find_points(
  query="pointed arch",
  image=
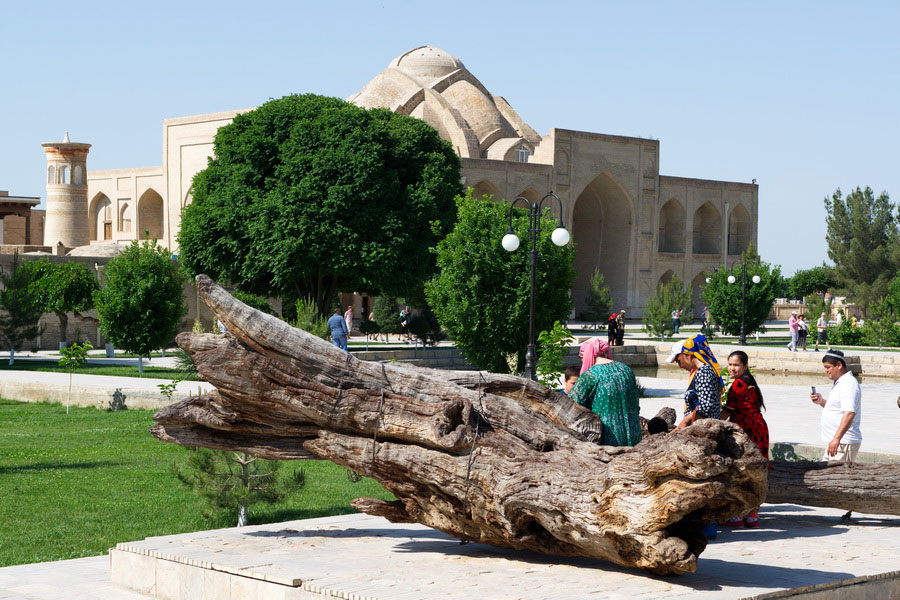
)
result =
(740, 230)
(531, 195)
(150, 215)
(601, 227)
(64, 174)
(77, 175)
(666, 278)
(100, 212)
(51, 174)
(486, 188)
(697, 285)
(125, 217)
(707, 237)
(188, 197)
(671, 226)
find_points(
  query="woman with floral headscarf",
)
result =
(702, 400)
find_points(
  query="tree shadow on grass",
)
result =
(50, 466)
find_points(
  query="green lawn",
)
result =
(100, 369)
(75, 485)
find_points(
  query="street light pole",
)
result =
(510, 242)
(742, 340)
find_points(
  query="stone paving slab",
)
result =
(363, 557)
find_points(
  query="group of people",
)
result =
(799, 328)
(610, 390)
(340, 327)
(615, 328)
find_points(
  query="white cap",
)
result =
(677, 348)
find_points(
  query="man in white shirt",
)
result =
(842, 411)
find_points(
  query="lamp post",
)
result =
(510, 243)
(731, 279)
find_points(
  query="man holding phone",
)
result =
(841, 411)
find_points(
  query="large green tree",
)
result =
(19, 321)
(65, 288)
(667, 298)
(141, 301)
(724, 298)
(308, 196)
(809, 281)
(481, 292)
(862, 238)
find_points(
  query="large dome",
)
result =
(426, 62)
(433, 85)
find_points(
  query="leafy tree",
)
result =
(815, 306)
(71, 358)
(254, 301)
(862, 235)
(308, 318)
(658, 310)
(893, 296)
(598, 300)
(311, 195)
(481, 293)
(881, 326)
(724, 299)
(141, 303)
(552, 347)
(809, 281)
(387, 313)
(21, 303)
(65, 288)
(367, 328)
(235, 481)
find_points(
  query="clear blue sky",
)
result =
(802, 96)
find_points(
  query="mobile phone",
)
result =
(813, 388)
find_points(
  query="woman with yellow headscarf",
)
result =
(702, 400)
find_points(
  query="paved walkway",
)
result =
(363, 557)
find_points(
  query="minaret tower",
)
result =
(67, 204)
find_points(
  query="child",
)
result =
(569, 379)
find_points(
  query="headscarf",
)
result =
(698, 347)
(590, 350)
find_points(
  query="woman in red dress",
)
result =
(743, 407)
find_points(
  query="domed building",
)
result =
(637, 226)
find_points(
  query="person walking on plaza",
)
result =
(795, 328)
(612, 329)
(802, 331)
(841, 411)
(348, 318)
(676, 320)
(743, 406)
(821, 331)
(405, 317)
(339, 330)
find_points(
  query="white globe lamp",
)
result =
(731, 279)
(560, 236)
(510, 242)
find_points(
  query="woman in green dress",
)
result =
(610, 390)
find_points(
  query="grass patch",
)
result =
(75, 485)
(100, 369)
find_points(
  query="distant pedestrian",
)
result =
(795, 328)
(611, 329)
(676, 320)
(821, 332)
(802, 331)
(705, 319)
(620, 328)
(348, 318)
(339, 330)
(405, 318)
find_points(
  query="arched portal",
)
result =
(100, 211)
(697, 284)
(739, 230)
(125, 218)
(707, 230)
(671, 227)
(601, 228)
(486, 188)
(531, 195)
(666, 278)
(150, 216)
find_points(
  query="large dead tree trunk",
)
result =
(490, 458)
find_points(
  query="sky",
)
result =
(801, 96)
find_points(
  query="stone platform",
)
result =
(358, 557)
